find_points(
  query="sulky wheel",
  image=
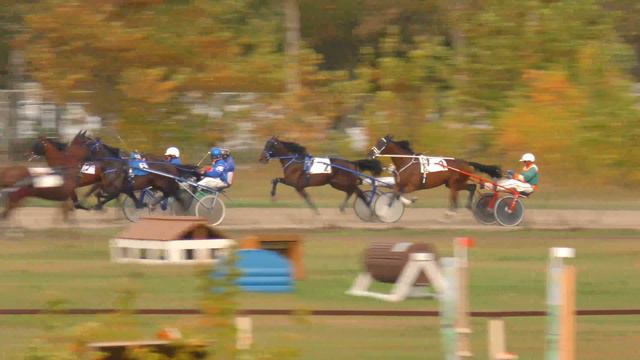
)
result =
(387, 208)
(509, 211)
(211, 208)
(129, 209)
(364, 211)
(482, 210)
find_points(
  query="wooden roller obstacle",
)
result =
(411, 267)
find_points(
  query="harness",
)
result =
(293, 158)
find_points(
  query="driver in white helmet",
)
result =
(529, 172)
(527, 180)
(172, 155)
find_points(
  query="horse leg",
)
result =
(346, 200)
(453, 200)
(76, 202)
(275, 182)
(472, 190)
(308, 200)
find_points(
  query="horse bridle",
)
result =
(269, 145)
(377, 151)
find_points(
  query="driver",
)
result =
(172, 155)
(526, 181)
(215, 176)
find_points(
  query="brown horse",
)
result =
(90, 172)
(58, 183)
(409, 177)
(116, 180)
(343, 175)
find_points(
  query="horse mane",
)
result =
(404, 144)
(114, 151)
(294, 148)
(57, 144)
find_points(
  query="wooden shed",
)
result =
(169, 239)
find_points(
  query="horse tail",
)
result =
(492, 170)
(372, 165)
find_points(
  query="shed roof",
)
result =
(168, 228)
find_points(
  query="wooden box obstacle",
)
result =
(169, 239)
(287, 245)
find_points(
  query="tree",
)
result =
(142, 64)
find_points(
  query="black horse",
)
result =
(343, 175)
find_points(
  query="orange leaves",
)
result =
(551, 88)
(148, 85)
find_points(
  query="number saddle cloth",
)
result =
(88, 168)
(429, 164)
(317, 165)
(44, 177)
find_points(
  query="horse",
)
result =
(90, 172)
(409, 178)
(58, 183)
(343, 175)
(116, 180)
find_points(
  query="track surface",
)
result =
(302, 218)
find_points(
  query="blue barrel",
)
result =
(262, 271)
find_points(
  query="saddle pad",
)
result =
(88, 168)
(430, 164)
(47, 181)
(318, 165)
(40, 171)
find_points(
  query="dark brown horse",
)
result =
(409, 177)
(57, 183)
(343, 175)
(116, 179)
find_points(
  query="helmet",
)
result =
(135, 155)
(172, 151)
(528, 157)
(216, 152)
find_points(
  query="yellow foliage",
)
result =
(544, 122)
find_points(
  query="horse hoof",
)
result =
(450, 213)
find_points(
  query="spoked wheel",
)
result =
(387, 208)
(147, 197)
(482, 212)
(509, 211)
(211, 208)
(363, 210)
(133, 213)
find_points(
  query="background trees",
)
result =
(473, 78)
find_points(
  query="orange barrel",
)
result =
(384, 260)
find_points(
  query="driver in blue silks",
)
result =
(137, 164)
(215, 176)
(172, 155)
(231, 165)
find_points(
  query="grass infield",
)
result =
(71, 269)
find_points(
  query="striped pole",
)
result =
(560, 339)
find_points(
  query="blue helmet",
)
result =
(216, 152)
(135, 155)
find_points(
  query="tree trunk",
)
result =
(292, 45)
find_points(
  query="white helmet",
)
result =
(528, 157)
(172, 151)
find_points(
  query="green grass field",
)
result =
(72, 269)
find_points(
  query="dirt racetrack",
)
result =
(302, 218)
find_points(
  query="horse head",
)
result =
(77, 148)
(380, 148)
(270, 150)
(46, 147)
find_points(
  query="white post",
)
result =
(555, 297)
